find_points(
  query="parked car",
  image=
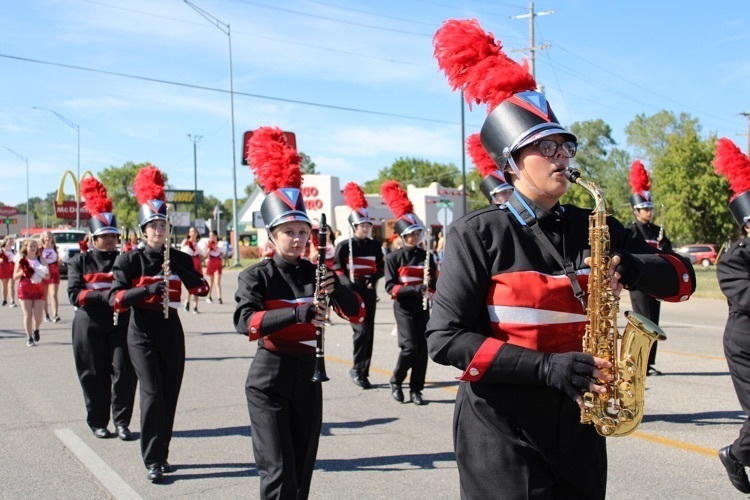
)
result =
(67, 241)
(703, 253)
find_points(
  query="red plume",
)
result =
(396, 198)
(732, 164)
(473, 61)
(95, 196)
(149, 185)
(354, 197)
(274, 163)
(479, 156)
(638, 178)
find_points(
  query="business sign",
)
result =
(291, 139)
(8, 211)
(8, 222)
(183, 196)
(179, 219)
(67, 210)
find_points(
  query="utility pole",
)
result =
(747, 115)
(195, 139)
(532, 48)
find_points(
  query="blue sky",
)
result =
(349, 60)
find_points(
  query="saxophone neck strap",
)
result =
(525, 216)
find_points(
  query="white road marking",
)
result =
(103, 472)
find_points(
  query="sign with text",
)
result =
(183, 195)
(8, 211)
(67, 210)
(179, 219)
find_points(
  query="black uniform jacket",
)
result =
(650, 233)
(89, 281)
(499, 285)
(267, 296)
(368, 261)
(405, 272)
(733, 272)
(140, 267)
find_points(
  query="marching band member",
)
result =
(190, 246)
(405, 282)
(276, 307)
(494, 185)
(367, 268)
(505, 313)
(643, 209)
(100, 347)
(7, 256)
(733, 272)
(131, 243)
(52, 284)
(214, 265)
(31, 270)
(156, 344)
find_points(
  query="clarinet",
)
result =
(167, 271)
(320, 326)
(115, 314)
(351, 256)
(661, 227)
(426, 278)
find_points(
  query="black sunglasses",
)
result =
(548, 148)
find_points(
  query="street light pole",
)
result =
(77, 128)
(224, 28)
(27, 187)
(195, 139)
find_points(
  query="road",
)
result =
(371, 447)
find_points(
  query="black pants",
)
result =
(364, 333)
(411, 321)
(737, 352)
(645, 305)
(525, 441)
(104, 369)
(286, 412)
(158, 357)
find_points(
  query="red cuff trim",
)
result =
(201, 290)
(340, 272)
(394, 291)
(253, 329)
(82, 297)
(118, 302)
(357, 318)
(482, 359)
(686, 286)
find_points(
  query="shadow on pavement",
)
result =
(387, 463)
(703, 418)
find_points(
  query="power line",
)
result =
(214, 89)
(432, 25)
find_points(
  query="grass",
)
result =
(707, 286)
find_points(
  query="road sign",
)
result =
(445, 216)
(8, 211)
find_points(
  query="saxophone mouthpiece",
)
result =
(572, 174)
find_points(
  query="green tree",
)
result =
(602, 163)
(415, 171)
(683, 178)
(307, 165)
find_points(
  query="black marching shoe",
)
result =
(397, 392)
(416, 398)
(101, 432)
(652, 371)
(124, 433)
(36, 335)
(155, 474)
(735, 470)
(359, 379)
(166, 468)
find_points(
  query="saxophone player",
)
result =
(276, 308)
(406, 283)
(505, 311)
(643, 227)
(156, 343)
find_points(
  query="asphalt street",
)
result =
(371, 447)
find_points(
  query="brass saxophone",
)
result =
(620, 410)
